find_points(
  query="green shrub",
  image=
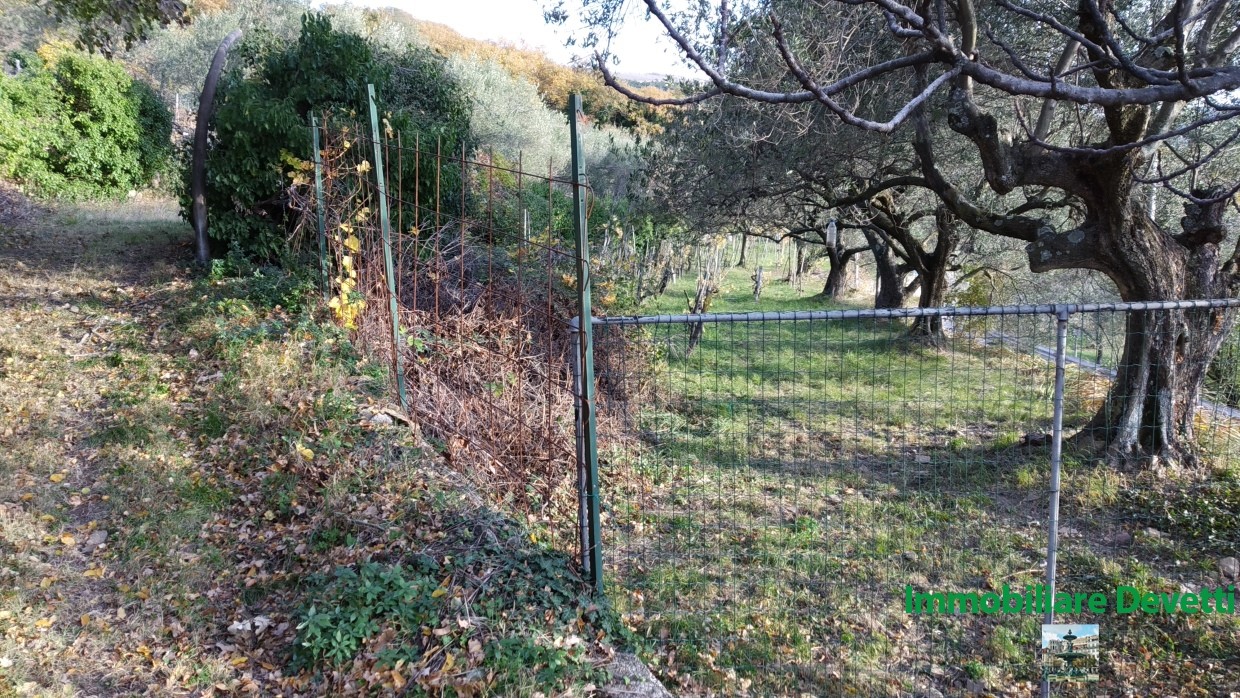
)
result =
(354, 605)
(262, 112)
(78, 126)
(512, 613)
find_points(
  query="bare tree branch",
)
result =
(1048, 106)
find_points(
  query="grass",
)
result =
(773, 490)
(769, 495)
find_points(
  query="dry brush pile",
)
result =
(485, 337)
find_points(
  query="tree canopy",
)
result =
(108, 25)
(1131, 99)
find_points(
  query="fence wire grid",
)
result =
(782, 483)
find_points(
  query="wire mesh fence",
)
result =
(800, 502)
(780, 492)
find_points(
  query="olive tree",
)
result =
(787, 171)
(1065, 108)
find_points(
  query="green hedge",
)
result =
(261, 119)
(79, 126)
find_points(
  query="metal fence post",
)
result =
(1062, 314)
(318, 204)
(386, 228)
(587, 442)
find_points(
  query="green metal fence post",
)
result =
(386, 228)
(1063, 314)
(319, 204)
(587, 444)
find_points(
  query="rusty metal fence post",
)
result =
(587, 438)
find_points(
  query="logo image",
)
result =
(1070, 652)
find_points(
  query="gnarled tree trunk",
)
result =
(890, 293)
(932, 269)
(837, 274)
(1149, 408)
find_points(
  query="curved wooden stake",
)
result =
(198, 170)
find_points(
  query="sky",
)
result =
(641, 45)
(1058, 630)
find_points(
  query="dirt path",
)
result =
(191, 465)
(73, 288)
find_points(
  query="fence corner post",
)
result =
(386, 229)
(1062, 315)
(319, 204)
(587, 443)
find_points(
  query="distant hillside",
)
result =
(555, 82)
(656, 80)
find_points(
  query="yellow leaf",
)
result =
(85, 619)
(304, 452)
(448, 662)
(68, 539)
(398, 680)
(238, 661)
(353, 243)
(93, 573)
(43, 623)
(57, 477)
(438, 593)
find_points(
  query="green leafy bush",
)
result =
(491, 608)
(262, 112)
(355, 605)
(78, 126)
